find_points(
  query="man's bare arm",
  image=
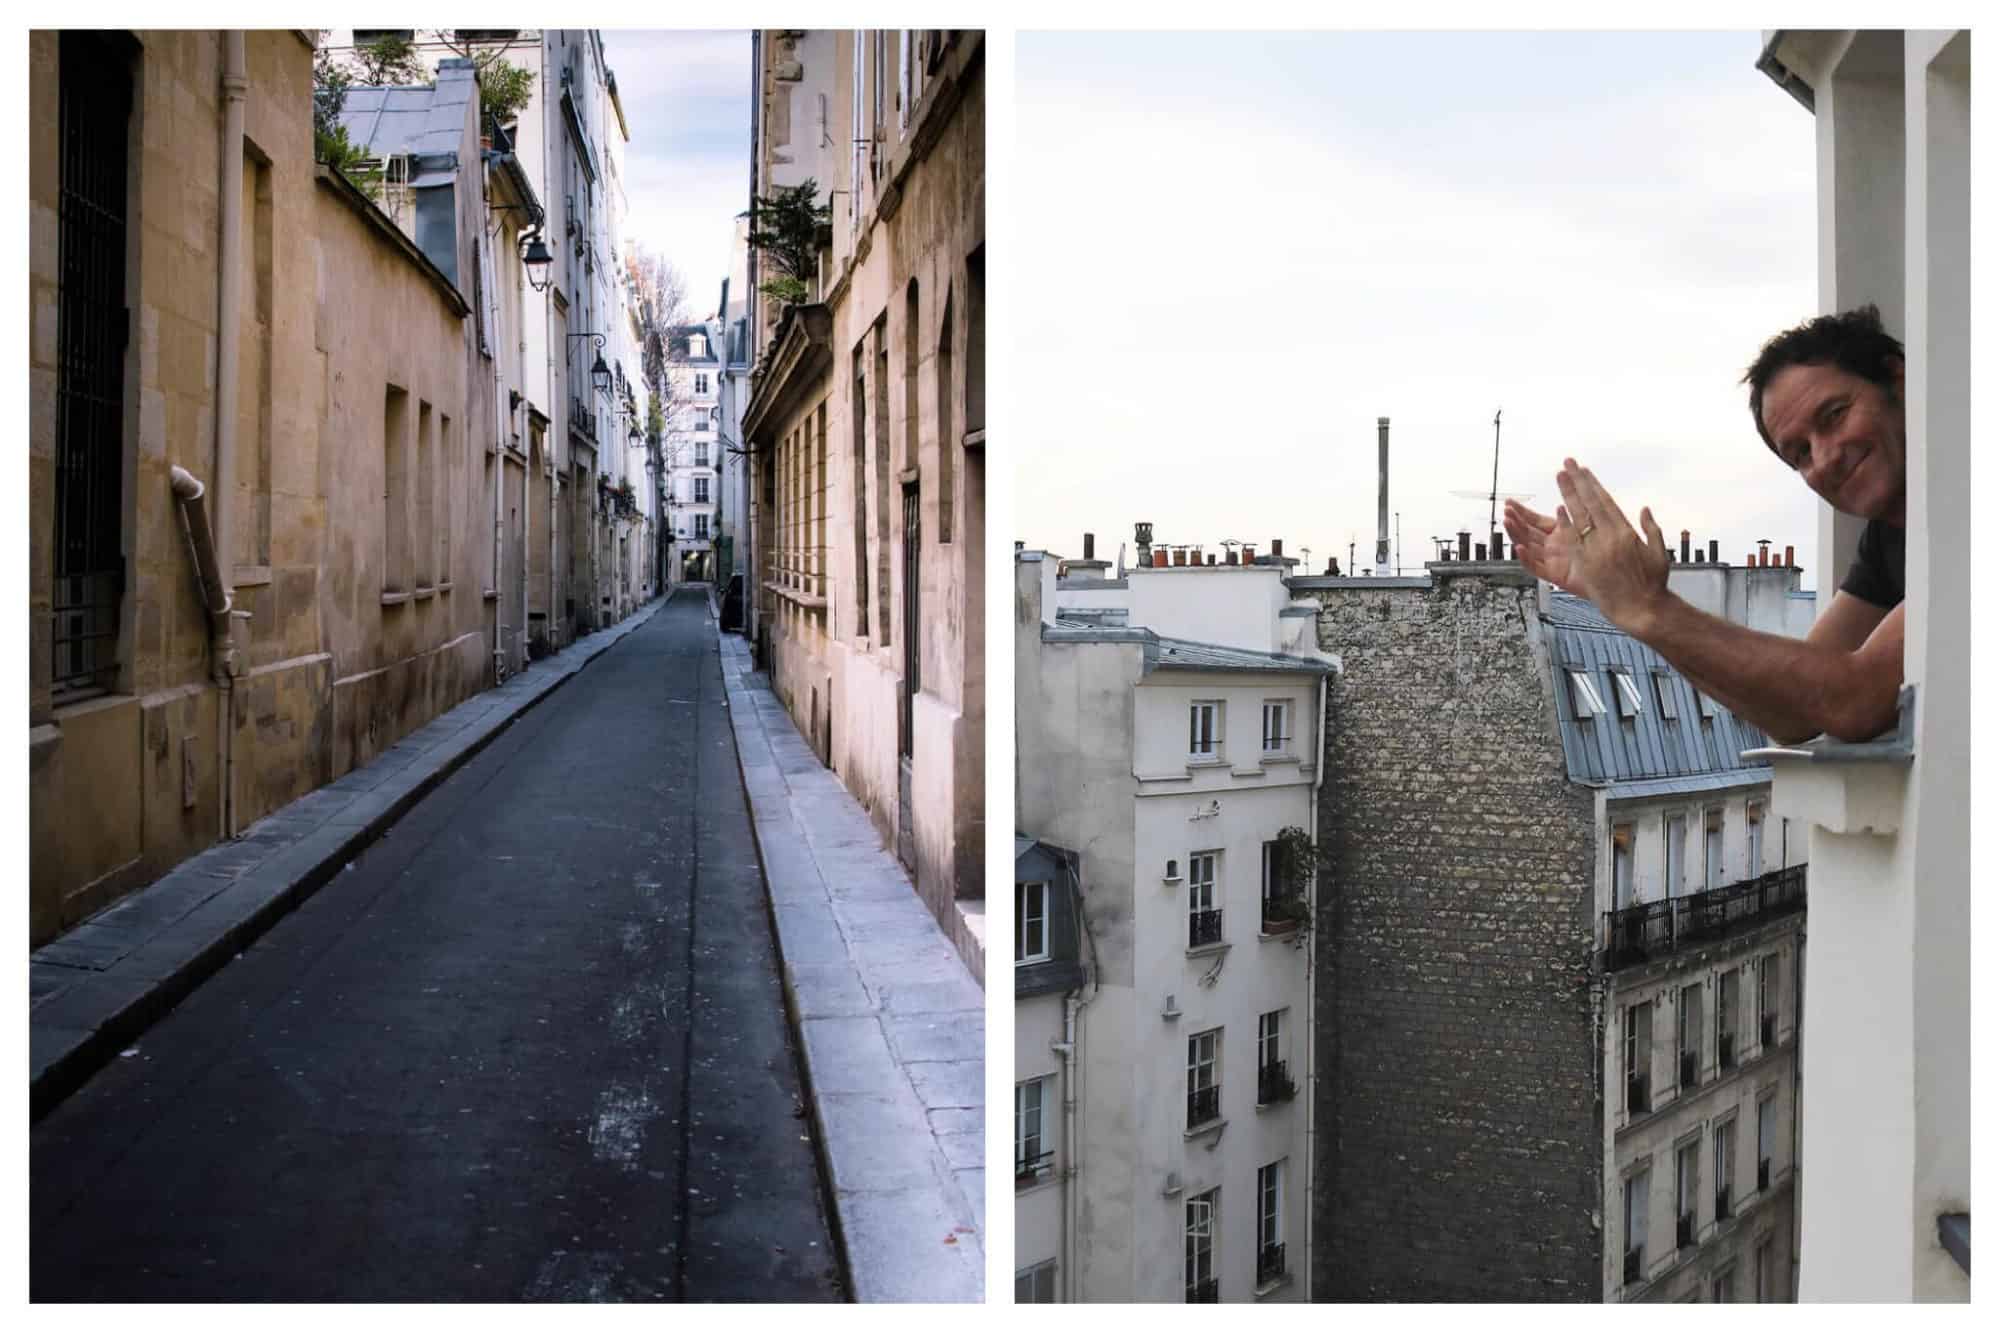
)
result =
(1842, 679)
(1791, 689)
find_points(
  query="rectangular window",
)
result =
(1036, 1285)
(1636, 1186)
(1677, 838)
(860, 415)
(1712, 849)
(1767, 1000)
(1726, 986)
(1764, 1274)
(1204, 729)
(1031, 1152)
(395, 490)
(1690, 1036)
(1663, 693)
(1708, 706)
(1725, 1169)
(701, 527)
(1200, 1248)
(1274, 1078)
(1277, 729)
(948, 443)
(1767, 1138)
(1204, 917)
(1204, 1077)
(701, 386)
(1583, 697)
(1628, 695)
(1722, 1288)
(1621, 865)
(1270, 1222)
(1031, 923)
(701, 490)
(1687, 1184)
(701, 455)
(1638, 1057)
(1753, 836)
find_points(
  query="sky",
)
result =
(1264, 242)
(687, 167)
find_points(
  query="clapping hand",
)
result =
(1591, 549)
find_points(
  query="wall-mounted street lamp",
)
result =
(535, 259)
(600, 374)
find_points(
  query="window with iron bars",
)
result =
(94, 104)
(1204, 1078)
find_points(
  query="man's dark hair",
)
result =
(1853, 340)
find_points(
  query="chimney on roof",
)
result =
(1788, 559)
(1464, 544)
(1332, 567)
(1211, 558)
(1479, 553)
(1180, 555)
(1142, 540)
(1382, 498)
(1089, 546)
(1249, 554)
(1763, 553)
(1493, 545)
(1684, 546)
(1277, 548)
(1714, 551)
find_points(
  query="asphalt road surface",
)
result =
(530, 1046)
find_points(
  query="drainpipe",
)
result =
(235, 84)
(1073, 1004)
(1312, 990)
(500, 421)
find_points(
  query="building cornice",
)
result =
(798, 361)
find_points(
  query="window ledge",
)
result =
(1215, 1126)
(1200, 761)
(1247, 772)
(1206, 950)
(252, 576)
(1846, 787)
(1278, 1283)
(1288, 933)
(1279, 759)
(1042, 1180)
(489, 594)
(395, 598)
(424, 594)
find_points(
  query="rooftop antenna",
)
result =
(1494, 496)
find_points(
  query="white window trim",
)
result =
(1271, 1203)
(1629, 703)
(1281, 742)
(1041, 918)
(1583, 696)
(1032, 1094)
(1213, 754)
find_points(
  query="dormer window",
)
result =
(1583, 697)
(1628, 695)
(1663, 691)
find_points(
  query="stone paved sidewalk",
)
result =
(95, 989)
(892, 1023)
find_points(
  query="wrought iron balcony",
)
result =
(1274, 1083)
(1204, 928)
(1270, 1262)
(1203, 1293)
(1032, 1167)
(1635, 1265)
(1684, 1231)
(1204, 1105)
(1647, 931)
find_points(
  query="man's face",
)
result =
(1843, 434)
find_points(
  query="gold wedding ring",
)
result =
(1585, 531)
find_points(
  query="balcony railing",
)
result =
(1204, 1105)
(1690, 1070)
(1204, 928)
(1635, 1265)
(1725, 1050)
(1767, 1030)
(1722, 1203)
(1763, 1173)
(1270, 1262)
(1274, 1083)
(1032, 1167)
(1647, 931)
(1684, 1231)
(1638, 1099)
(1202, 1293)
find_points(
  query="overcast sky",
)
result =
(1253, 246)
(687, 168)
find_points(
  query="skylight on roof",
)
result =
(1628, 695)
(1583, 695)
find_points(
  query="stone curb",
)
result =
(880, 1003)
(100, 985)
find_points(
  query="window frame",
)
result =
(1278, 744)
(1032, 1095)
(1211, 739)
(1584, 701)
(1039, 1278)
(1038, 891)
(1630, 705)
(1198, 1236)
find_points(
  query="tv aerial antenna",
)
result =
(1494, 496)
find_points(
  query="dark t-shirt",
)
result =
(1877, 575)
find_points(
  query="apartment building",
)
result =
(694, 450)
(1168, 752)
(1558, 1021)
(1888, 961)
(866, 430)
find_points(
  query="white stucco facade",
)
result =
(1888, 963)
(1196, 1013)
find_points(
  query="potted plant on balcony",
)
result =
(788, 229)
(1289, 905)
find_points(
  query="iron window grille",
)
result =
(92, 327)
(1690, 1075)
(1204, 928)
(1635, 1265)
(1204, 1105)
(1270, 1262)
(1684, 1231)
(1763, 1174)
(1722, 1206)
(1203, 1293)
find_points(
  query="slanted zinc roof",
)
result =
(1177, 654)
(427, 120)
(1631, 740)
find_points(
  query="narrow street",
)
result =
(530, 1045)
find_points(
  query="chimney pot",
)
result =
(1277, 547)
(1249, 554)
(1464, 545)
(1159, 557)
(1228, 557)
(1180, 555)
(1211, 557)
(1089, 546)
(1684, 546)
(1714, 551)
(1788, 559)
(1479, 553)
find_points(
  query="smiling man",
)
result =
(1827, 398)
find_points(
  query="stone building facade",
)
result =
(866, 430)
(250, 327)
(1493, 828)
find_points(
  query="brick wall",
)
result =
(1460, 1141)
